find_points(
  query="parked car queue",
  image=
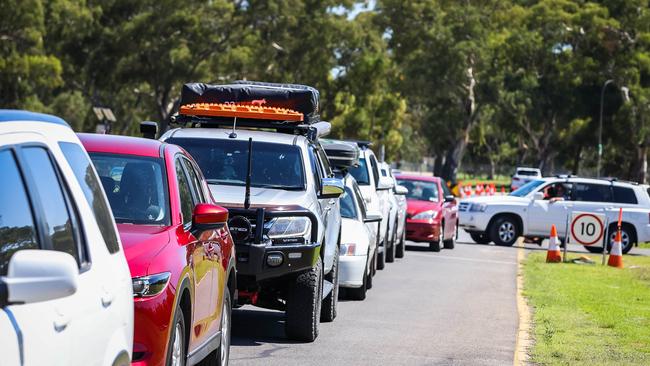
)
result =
(125, 235)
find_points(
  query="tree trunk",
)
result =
(454, 157)
(641, 163)
(438, 163)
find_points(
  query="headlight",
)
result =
(426, 215)
(478, 207)
(147, 286)
(289, 229)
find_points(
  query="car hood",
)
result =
(416, 206)
(142, 243)
(233, 196)
(497, 199)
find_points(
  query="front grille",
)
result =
(464, 206)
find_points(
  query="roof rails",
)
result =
(362, 144)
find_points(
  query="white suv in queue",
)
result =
(532, 209)
(65, 288)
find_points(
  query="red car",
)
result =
(177, 245)
(431, 213)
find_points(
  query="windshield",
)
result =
(135, 187)
(526, 188)
(420, 190)
(348, 208)
(360, 173)
(225, 162)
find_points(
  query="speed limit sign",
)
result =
(586, 228)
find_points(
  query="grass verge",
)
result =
(589, 314)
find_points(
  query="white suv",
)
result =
(374, 189)
(65, 288)
(532, 209)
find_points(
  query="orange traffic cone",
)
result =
(479, 189)
(553, 254)
(503, 190)
(616, 253)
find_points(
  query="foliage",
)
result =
(474, 82)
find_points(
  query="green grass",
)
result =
(589, 314)
(644, 245)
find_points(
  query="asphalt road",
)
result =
(456, 307)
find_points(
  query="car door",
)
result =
(449, 211)
(212, 242)
(327, 206)
(34, 214)
(201, 265)
(544, 213)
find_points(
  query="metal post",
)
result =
(566, 238)
(600, 126)
(605, 238)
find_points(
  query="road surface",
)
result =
(456, 307)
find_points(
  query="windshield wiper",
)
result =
(225, 182)
(279, 186)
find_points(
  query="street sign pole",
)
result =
(605, 240)
(566, 238)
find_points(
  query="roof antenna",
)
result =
(247, 196)
(233, 134)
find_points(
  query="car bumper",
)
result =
(252, 259)
(352, 268)
(422, 231)
(153, 316)
(473, 221)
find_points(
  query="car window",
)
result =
(87, 178)
(327, 169)
(524, 190)
(526, 172)
(421, 190)
(375, 169)
(225, 161)
(315, 167)
(360, 200)
(445, 188)
(185, 194)
(624, 195)
(17, 228)
(360, 173)
(592, 192)
(195, 183)
(58, 215)
(136, 187)
(348, 208)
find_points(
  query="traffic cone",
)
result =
(616, 253)
(461, 190)
(503, 190)
(553, 254)
(479, 189)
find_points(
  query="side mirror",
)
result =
(38, 275)
(372, 217)
(149, 129)
(537, 196)
(401, 190)
(208, 217)
(331, 188)
(450, 198)
(385, 184)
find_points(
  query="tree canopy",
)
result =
(469, 83)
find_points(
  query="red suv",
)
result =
(431, 213)
(178, 247)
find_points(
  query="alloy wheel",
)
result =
(506, 231)
(177, 346)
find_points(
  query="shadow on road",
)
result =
(254, 327)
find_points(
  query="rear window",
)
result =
(624, 195)
(592, 192)
(528, 173)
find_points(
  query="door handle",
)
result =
(61, 322)
(107, 298)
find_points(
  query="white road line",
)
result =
(460, 258)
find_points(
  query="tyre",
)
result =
(593, 249)
(399, 251)
(359, 294)
(304, 298)
(369, 275)
(628, 238)
(449, 243)
(381, 257)
(176, 348)
(390, 254)
(373, 268)
(434, 246)
(480, 238)
(328, 310)
(221, 355)
(504, 231)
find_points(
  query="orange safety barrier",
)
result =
(252, 110)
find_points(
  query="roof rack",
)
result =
(362, 144)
